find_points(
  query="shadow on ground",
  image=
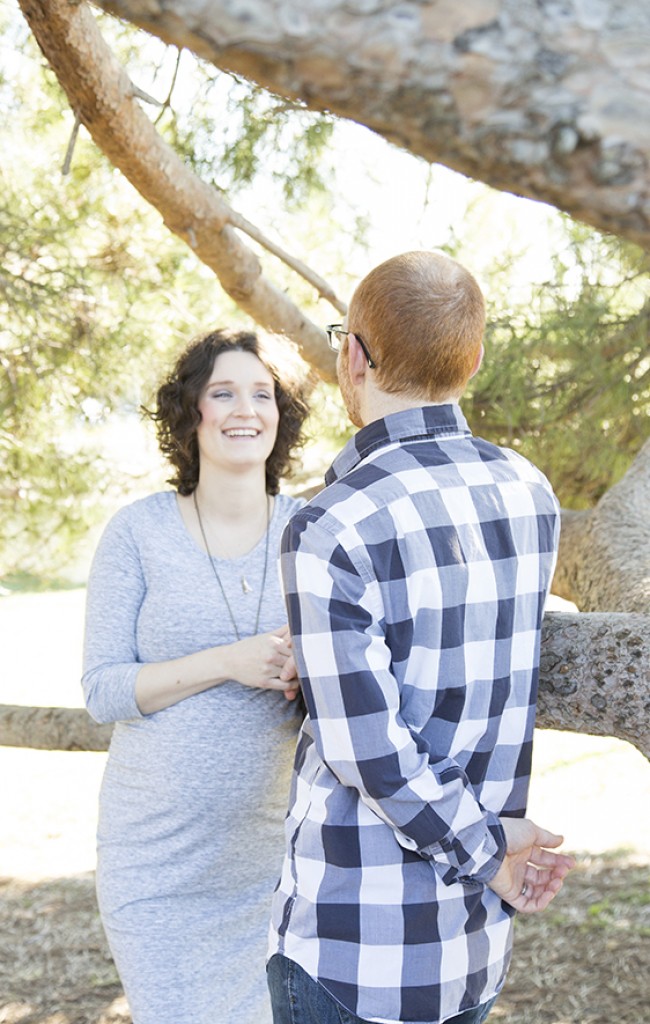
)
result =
(586, 960)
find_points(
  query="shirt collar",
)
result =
(431, 421)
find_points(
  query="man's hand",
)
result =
(531, 874)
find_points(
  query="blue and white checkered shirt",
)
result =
(415, 585)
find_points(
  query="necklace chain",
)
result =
(217, 576)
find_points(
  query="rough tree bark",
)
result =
(546, 98)
(594, 676)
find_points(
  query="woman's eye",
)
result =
(221, 394)
(263, 394)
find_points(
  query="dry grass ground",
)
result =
(585, 961)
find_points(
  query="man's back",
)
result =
(415, 585)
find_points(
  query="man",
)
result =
(415, 585)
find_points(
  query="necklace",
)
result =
(244, 582)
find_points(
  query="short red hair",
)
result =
(422, 316)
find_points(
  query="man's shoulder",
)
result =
(520, 464)
(323, 504)
(330, 514)
(394, 476)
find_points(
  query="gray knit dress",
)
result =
(193, 798)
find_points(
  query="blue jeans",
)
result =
(298, 999)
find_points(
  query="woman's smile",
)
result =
(239, 413)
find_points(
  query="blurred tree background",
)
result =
(96, 295)
(567, 380)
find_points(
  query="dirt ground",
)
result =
(585, 961)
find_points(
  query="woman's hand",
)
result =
(289, 674)
(264, 662)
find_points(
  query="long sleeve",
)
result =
(116, 588)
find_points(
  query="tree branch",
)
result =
(547, 100)
(102, 97)
(74, 135)
(167, 102)
(324, 289)
(51, 729)
(594, 677)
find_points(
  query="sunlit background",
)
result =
(99, 297)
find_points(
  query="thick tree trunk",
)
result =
(105, 100)
(595, 677)
(546, 98)
(604, 561)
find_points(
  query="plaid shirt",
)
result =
(415, 585)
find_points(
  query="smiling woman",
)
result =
(187, 651)
(239, 414)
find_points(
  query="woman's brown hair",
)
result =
(176, 412)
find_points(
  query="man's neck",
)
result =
(379, 404)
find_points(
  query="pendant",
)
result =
(245, 585)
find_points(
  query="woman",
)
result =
(188, 652)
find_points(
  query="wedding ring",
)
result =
(524, 889)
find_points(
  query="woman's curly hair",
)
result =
(176, 412)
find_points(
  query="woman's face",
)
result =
(239, 414)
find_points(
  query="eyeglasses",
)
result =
(336, 333)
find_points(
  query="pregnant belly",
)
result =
(197, 787)
(220, 753)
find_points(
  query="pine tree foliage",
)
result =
(567, 374)
(256, 134)
(95, 294)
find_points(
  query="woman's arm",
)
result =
(256, 661)
(115, 592)
(117, 686)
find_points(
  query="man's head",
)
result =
(422, 316)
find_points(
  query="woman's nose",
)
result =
(245, 406)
